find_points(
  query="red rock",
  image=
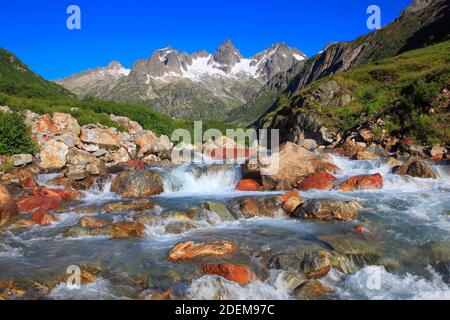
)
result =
(8, 208)
(29, 183)
(318, 180)
(133, 164)
(60, 194)
(232, 272)
(360, 229)
(248, 185)
(38, 204)
(365, 182)
(191, 250)
(44, 219)
(125, 229)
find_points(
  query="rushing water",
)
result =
(408, 219)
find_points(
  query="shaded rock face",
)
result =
(190, 250)
(8, 208)
(328, 210)
(415, 167)
(365, 182)
(137, 184)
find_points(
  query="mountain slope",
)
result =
(407, 94)
(188, 86)
(423, 22)
(17, 79)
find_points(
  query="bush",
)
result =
(15, 136)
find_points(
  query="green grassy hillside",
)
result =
(407, 92)
(21, 88)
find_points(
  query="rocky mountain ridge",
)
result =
(185, 85)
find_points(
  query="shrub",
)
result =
(15, 136)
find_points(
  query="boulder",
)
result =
(70, 140)
(392, 162)
(415, 167)
(220, 209)
(179, 227)
(137, 184)
(365, 155)
(145, 140)
(316, 264)
(59, 194)
(135, 206)
(434, 151)
(251, 207)
(363, 182)
(44, 124)
(190, 250)
(20, 160)
(233, 272)
(29, 183)
(38, 204)
(8, 208)
(81, 157)
(104, 137)
(349, 148)
(290, 201)
(328, 210)
(43, 218)
(53, 155)
(248, 185)
(283, 170)
(317, 181)
(312, 289)
(124, 230)
(66, 123)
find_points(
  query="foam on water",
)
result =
(375, 283)
(98, 290)
(187, 180)
(218, 288)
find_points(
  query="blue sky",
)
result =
(129, 30)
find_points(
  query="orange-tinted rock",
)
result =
(124, 229)
(44, 124)
(291, 194)
(364, 182)
(232, 272)
(60, 194)
(44, 219)
(230, 153)
(190, 250)
(38, 204)
(29, 183)
(8, 208)
(248, 185)
(91, 222)
(133, 164)
(318, 181)
(290, 201)
(365, 155)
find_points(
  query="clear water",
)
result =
(407, 221)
